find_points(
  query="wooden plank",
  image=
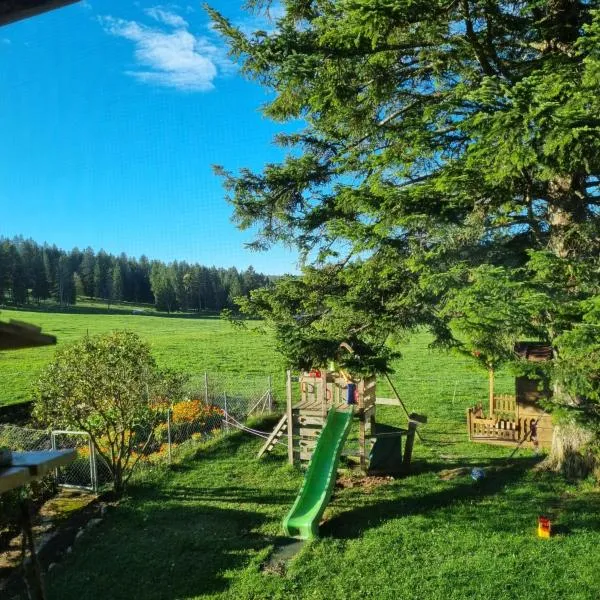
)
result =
(388, 401)
(309, 420)
(362, 449)
(307, 445)
(312, 412)
(323, 394)
(500, 442)
(312, 432)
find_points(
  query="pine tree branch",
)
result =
(474, 40)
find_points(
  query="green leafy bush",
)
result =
(110, 387)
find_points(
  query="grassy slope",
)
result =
(193, 345)
(206, 528)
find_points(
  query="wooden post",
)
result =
(270, 401)
(361, 443)
(205, 387)
(323, 393)
(226, 411)
(33, 575)
(491, 397)
(408, 447)
(290, 428)
(360, 388)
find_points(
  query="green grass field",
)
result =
(188, 344)
(207, 527)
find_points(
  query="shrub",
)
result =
(110, 387)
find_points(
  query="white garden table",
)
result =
(30, 466)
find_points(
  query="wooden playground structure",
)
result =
(517, 419)
(319, 392)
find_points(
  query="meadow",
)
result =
(209, 526)
(186, 343)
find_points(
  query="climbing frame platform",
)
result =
(320, 391)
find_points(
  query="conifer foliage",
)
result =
(32, 273)
(447, 174)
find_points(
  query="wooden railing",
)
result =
(505, 404)
(509, 431)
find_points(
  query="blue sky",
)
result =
(112, 114)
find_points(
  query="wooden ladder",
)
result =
(276, 434)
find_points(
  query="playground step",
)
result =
(276, 434)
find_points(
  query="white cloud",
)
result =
(167, 17)
(169, 54)
(5, 41)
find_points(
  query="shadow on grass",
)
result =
(229, 494)
(366, 512)
(159, 552)
(578, 514)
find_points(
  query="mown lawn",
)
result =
(188, 344)
(208, 527)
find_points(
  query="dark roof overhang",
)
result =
(15, 10)
(16, 334)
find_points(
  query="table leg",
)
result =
(35, 584)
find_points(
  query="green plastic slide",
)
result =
(303, 520)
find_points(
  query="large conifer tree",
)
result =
(446, 144)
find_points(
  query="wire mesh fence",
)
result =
(23, 438)
(212, 404)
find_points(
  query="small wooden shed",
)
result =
(520, 418)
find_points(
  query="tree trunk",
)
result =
(570, 453)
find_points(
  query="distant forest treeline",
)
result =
(30, 272)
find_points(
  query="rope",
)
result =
(261, 434)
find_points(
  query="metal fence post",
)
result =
(226, 412)
(93, 466)
(169, 434)
(205, 387)
(53, 446)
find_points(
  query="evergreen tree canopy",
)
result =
(30, 271)
(447, 174)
